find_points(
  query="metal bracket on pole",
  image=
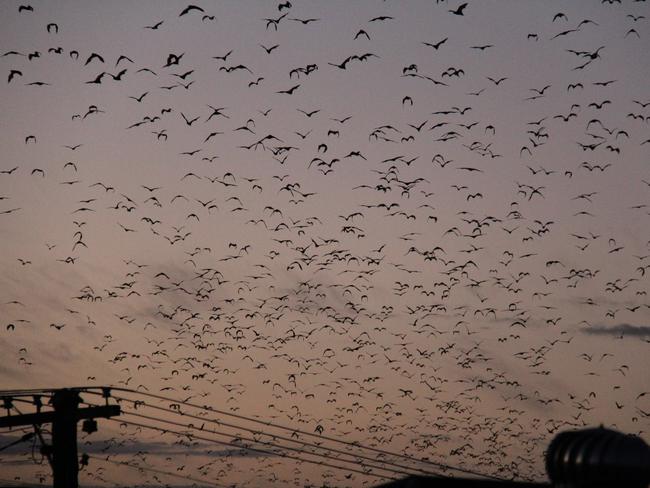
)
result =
(64, 418)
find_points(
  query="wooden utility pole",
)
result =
(64, 418)
(65, 465)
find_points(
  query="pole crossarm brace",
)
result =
(64, 418)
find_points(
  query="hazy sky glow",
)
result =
(380, 222)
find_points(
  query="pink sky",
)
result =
(441, 249)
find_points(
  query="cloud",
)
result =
(162, 448)
(620, 329)
(154, 448)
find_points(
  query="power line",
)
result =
(64, 416)
(158, 471)
(270, 444)
(24, 438)
(39, 433)
(16, 393)
(287, 439)
(254, 449)
(42, 391)
(332, 439)
(106, 394)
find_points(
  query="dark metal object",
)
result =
(598, 458)
(64, 418)
(590, 458)
(89, 426)
(65, 467)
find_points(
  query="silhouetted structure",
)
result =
(588, 458)
(598, 458)
(62, 454)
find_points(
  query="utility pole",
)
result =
(65, 465)
(64, 418)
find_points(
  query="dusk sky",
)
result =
(418, 226)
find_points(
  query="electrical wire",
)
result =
(105, 389)
(269, 444)
(158, 471)
(15, 393)
(24, 438)
(44, 391)
(310, 434)
(37, 429)
(283, 438)
(253, 449)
